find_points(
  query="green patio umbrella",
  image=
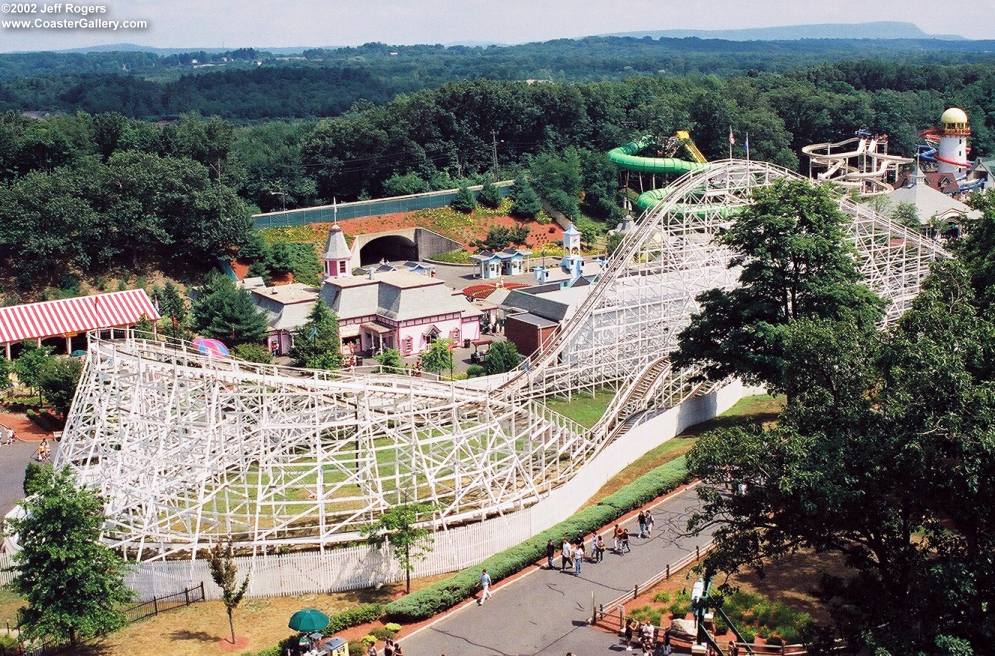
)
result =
(307, 620)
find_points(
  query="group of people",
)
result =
(44, 451)
(645, 636)
(390, 648)
(574, 553)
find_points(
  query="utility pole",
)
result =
(494, 159)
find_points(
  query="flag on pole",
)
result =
(732, 137)
(746, 145)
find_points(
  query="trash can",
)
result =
(336, 647)
(466, 343)
(359, 361)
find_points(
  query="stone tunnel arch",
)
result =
(388, 247)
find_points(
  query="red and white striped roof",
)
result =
(74, 315)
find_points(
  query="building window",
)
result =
(407, 345)
(342, 266)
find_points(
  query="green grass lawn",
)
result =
(583, 408)
(9, 603)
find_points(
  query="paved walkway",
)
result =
(546, 612)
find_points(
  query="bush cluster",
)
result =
(447, 593)
(754, 614)
(353, 617)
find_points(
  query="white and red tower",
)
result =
(337, 254)
(951, 153)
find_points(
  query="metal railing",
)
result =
(158, 605)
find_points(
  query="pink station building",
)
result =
(376, 311)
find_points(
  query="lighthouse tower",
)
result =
(954, 132)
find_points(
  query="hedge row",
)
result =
(445, 594)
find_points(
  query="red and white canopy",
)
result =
(75, 315)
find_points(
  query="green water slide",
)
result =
(625, 158)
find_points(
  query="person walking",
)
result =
(565, 555)
(578, 554)
(388, 647)
(649, 524)
(485, 587)
(625, 540)
(599, 549)
(641, 519)
(550, 553)
(372, 651)
(628, 635)
(617, 538)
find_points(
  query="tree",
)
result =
(224, 572)
(390, 361)
(438, 357)
(57, 380)
(280, 258)
(870, 413)
(525, 201)
(557, 178)
(173, 307)
(73, 584)
(6, 381)
(398, 527)
(464, 201)
(614, 241)
(253, 353)
(489, 195)
(502, 357)
(404, 185)
(316, 343)
(977, 249)
(143, 328)
(35, 475)
(797, 262)
(226, 312)
(907, 215)
(28, 365)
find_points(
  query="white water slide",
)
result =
(861, 162)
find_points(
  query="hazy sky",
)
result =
(261, 23)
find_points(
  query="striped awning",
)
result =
(75, 315)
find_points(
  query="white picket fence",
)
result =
(6, 574)
(365, 566)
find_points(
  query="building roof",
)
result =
(532, 319)
(548, 301)
(335, 246)
(75, 315)
(286, 306)
(506, 254)
(929, 202)
(397, 295)
(571, 230)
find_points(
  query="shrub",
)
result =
(447, 593)
(34, 473)
(464, 201)
(392, 626)
(357, 648)
(253, 353)
(369, 639)
(489, 195)
(361, 614)
(475, 370)
(748, 633)
(681, 605)
(661, 597)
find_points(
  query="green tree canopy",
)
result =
(465, 201)
(390, 361)
(398, 526)
(797, 262)
(73, 584)
(489, 195)
(226, 312)
(438, 357)
(316, 343)
(525, 201)
(884, 456)
(29, 364)
(977, 249)
(502, 356)
(908, 215)
(57, 380)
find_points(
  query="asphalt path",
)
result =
(546, 612)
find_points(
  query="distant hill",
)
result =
(873, 30)
(134, 47)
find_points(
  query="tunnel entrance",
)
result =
(388, 247)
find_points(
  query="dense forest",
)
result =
(246, 84)
(100, 191)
